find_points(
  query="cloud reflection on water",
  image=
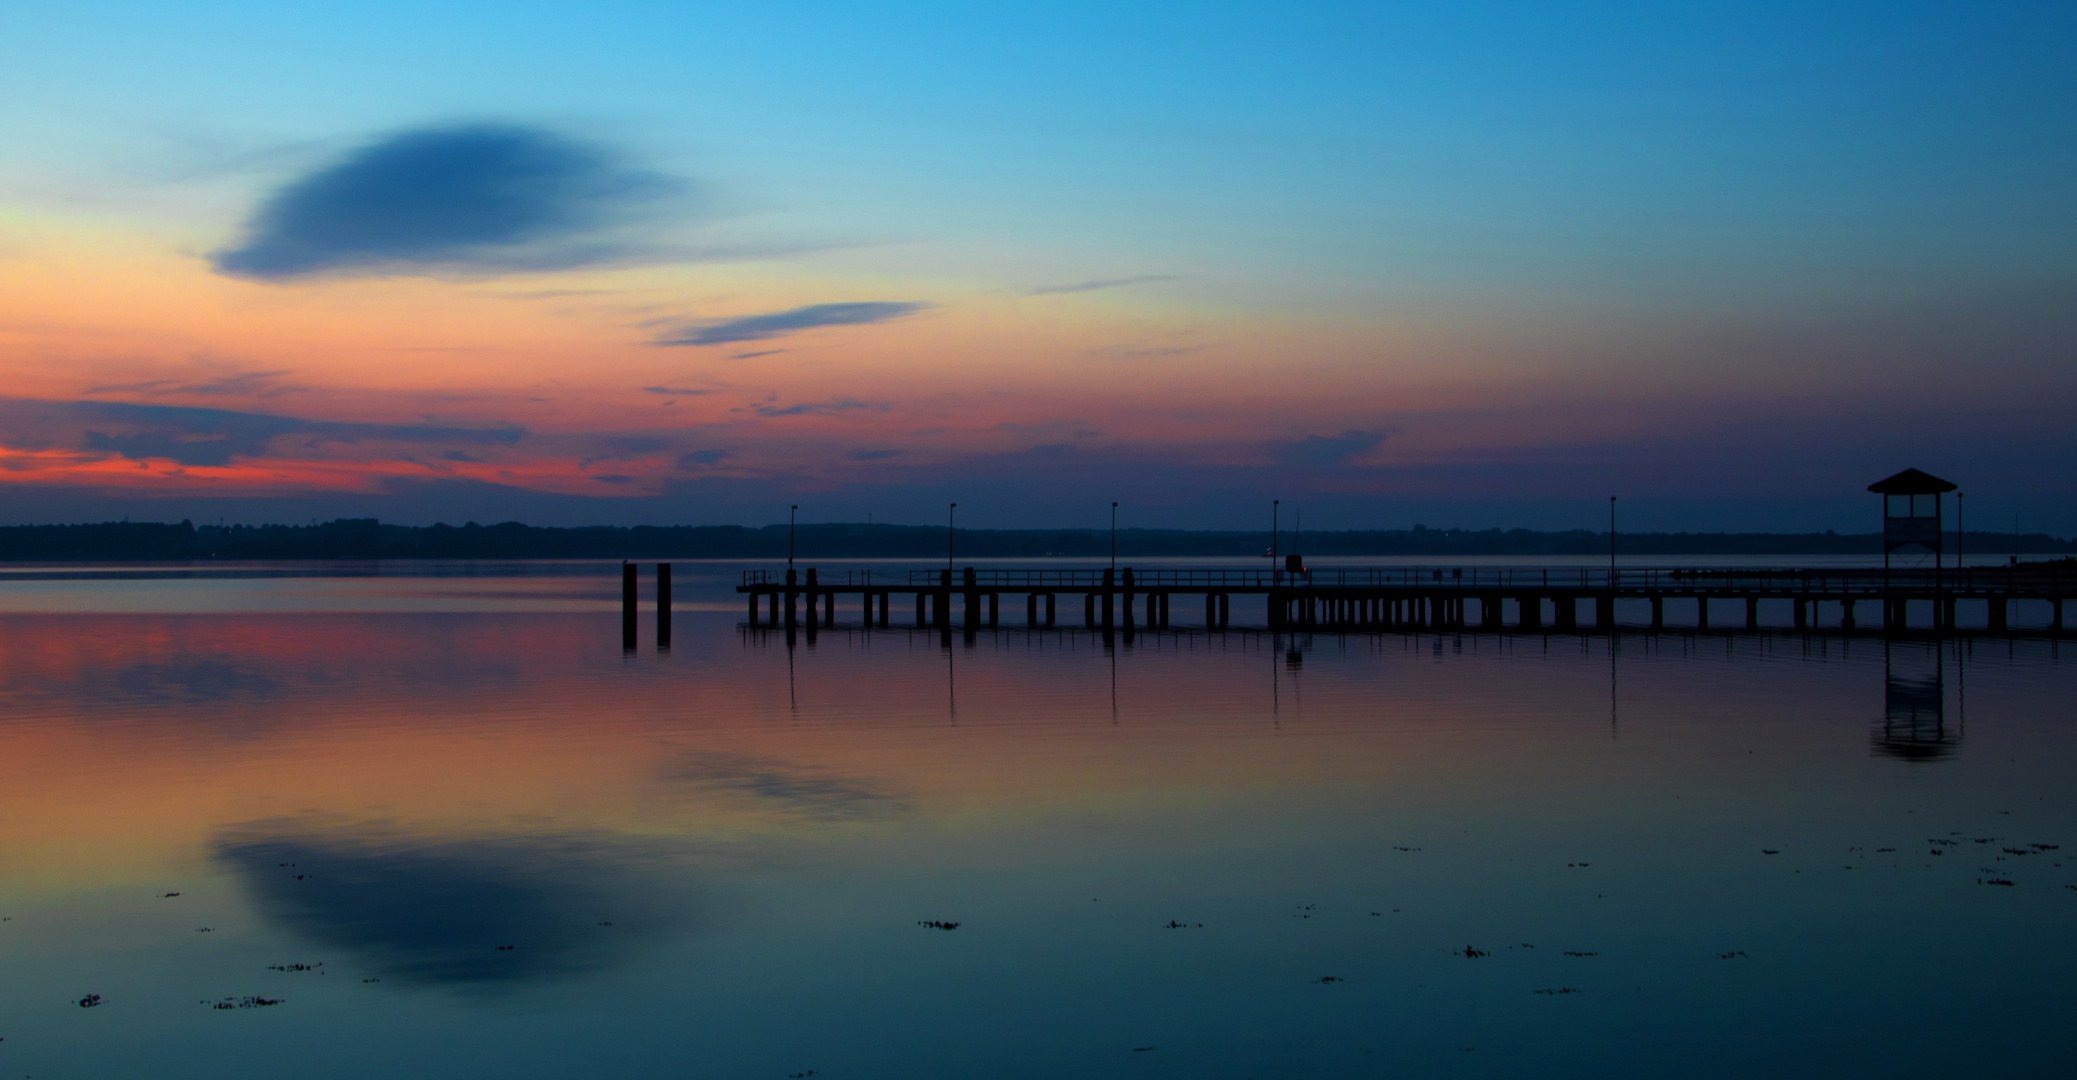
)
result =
(805, 792)
(478, 911)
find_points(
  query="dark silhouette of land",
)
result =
(366, 538)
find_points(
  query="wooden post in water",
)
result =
(663, 605)
(627, 605)
(1752, 613)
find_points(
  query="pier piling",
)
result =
(663, 605)
(627, 605)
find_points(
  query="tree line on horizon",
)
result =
(367, 538)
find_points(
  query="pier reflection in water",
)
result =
(492, 843)
(1914, 703)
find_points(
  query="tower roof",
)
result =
(1912, 482)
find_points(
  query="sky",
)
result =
(1474, 264)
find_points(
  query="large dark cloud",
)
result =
(467, 198)
(199, 436)
(777, 323)
(444, 911)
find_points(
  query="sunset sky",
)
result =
(1468, 264)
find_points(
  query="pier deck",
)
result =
(1411, 597)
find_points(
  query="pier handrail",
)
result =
(1455, 579)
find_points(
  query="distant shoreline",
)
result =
(366, 538)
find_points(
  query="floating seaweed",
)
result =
(252, 1002)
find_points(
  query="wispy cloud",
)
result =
(1324, 451)
(199, 436)
(242, 384)
(1101, 283)
(676, 391)
(465, 198)
(1168, 350)
(821, 408)
(696, 458)
(779, 323)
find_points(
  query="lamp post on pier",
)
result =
(950, 515)
(1274, 504)
(791, 513)
(1114, 536)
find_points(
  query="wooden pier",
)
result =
(1409, 598)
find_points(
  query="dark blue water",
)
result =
(442, 825)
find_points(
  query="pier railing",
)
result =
(1582, 580)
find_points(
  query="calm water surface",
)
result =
(448, 828)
